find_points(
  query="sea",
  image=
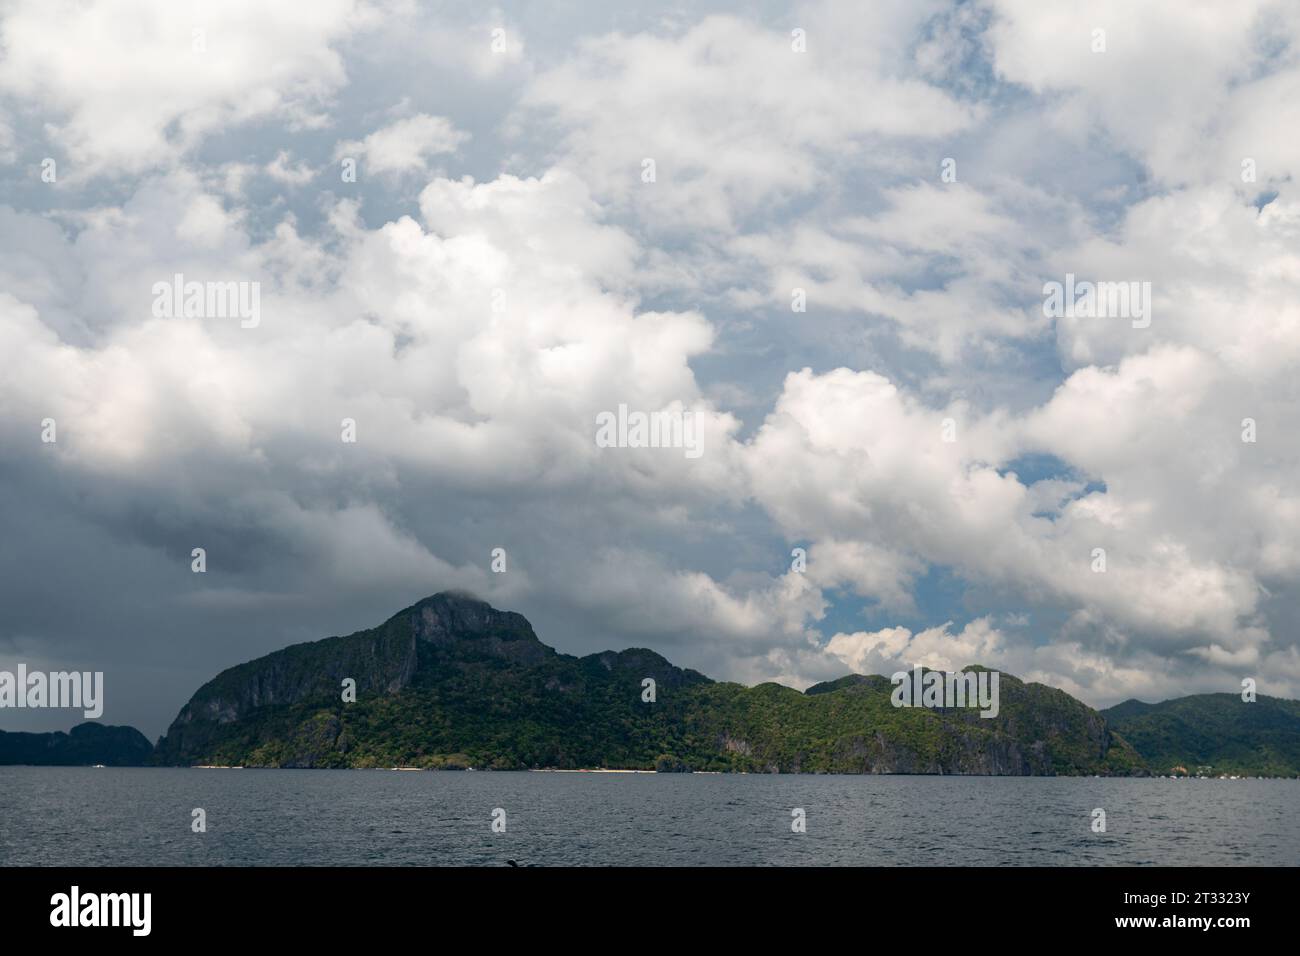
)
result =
(83, 816)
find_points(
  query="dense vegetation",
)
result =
(453, 683)
(84, 745)
(1214, 734)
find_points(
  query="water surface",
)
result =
(78, 816)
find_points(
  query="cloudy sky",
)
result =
(502, 269)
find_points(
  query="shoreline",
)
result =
(618, 770)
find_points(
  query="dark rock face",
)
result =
(452, 620)
(380, 661)
(85, 745)
(383, 660)
(965, 754)
(642, 663)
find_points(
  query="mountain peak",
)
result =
(458, 617)
(454, 596)
(644, 662)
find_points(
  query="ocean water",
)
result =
(77, 816)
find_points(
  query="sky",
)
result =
(822, 233)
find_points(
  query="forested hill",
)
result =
(453, 682)
(1214, 734)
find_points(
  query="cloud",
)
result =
(734, 117)
(282, 170)
(131, 86)
(947, 265)
(1138, 90)
(403, 146)
(897, 648)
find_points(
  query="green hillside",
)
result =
(451, 682)
(1218, 733)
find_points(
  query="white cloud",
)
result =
(393, 327)
(283, 170)
(129, 86)
(897, 648)
(1179, 121)
(733, 117)
(403, 146)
